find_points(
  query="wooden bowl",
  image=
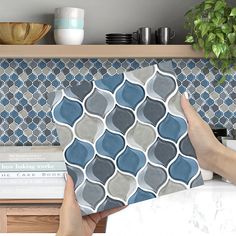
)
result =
(22, 32)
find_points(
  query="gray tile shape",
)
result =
(123, 193)
(151, 111)
(152, 178)
(76, 174)
(162, 152)
(99, 103)
(141, 75)
(82, 89)
(197, 181)
(120, 119)
(171, 187)
(161, 86)
(65, 133)
(110, 203)
(90, 194)
(174, 105)
(89, 128)
(186, 147)
(141, 136)
(100, 169)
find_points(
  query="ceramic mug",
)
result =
(143, 35)
(164, 35)
(69, 36)
(65, 23)
(69, 12)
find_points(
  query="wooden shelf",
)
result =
(31, 201)
(98, 51)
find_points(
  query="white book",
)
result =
(32, 166)
(24, 175)
(30, 153)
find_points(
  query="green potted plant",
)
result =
(212, 28)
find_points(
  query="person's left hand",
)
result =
(71, 221)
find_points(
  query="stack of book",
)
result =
(31, 162)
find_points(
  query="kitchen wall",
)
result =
(103, 16)
(24, 84)
(25, 117)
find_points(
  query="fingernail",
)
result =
(186, 95)
(65, 176)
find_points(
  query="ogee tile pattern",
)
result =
(25, 83)
(129, 138)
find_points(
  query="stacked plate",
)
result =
(119, 38)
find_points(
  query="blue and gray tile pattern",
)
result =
(24, 84)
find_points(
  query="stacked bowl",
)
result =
(69, 26)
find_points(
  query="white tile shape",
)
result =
(141, 136)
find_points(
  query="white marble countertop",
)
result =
(206, 210)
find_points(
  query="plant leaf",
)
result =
(189, 39)
(196, 47)
(222, 80)
(221, 37)
(233, 12)
(201, 43)
(197, 22)
(226, 28)
(219, 5)
(207, 6)
(211, 37)
(204, 29)
(210, 1)
(216, 49)
(231, 37)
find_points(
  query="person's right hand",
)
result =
(202, 138)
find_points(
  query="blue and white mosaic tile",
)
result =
(24, 84)
(125, 140)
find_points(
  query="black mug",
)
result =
(143, 35)
(164, 35)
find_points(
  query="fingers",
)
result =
(190, 114)
(100, 215)
(69, 194)
(111, 211)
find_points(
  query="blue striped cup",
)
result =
(68, 23)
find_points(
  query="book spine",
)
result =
(34, 153)
(32, 166)
(24, 175)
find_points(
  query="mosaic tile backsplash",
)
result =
(24, 84)
(125, 140)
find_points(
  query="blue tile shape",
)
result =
(110, 83)
(68, 111)
(129, 95)
(135, 161)
(172, 127)
(140, 195)
(110, 144)
(79, 153)
(183, 169)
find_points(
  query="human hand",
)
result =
(202, 138)
(71, 221)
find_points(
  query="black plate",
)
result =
(118, 35)
(107, 41)
(118, 39)
(117, 43)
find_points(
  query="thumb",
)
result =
(69, 194)
(191, 115)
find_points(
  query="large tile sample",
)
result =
(125, 140)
